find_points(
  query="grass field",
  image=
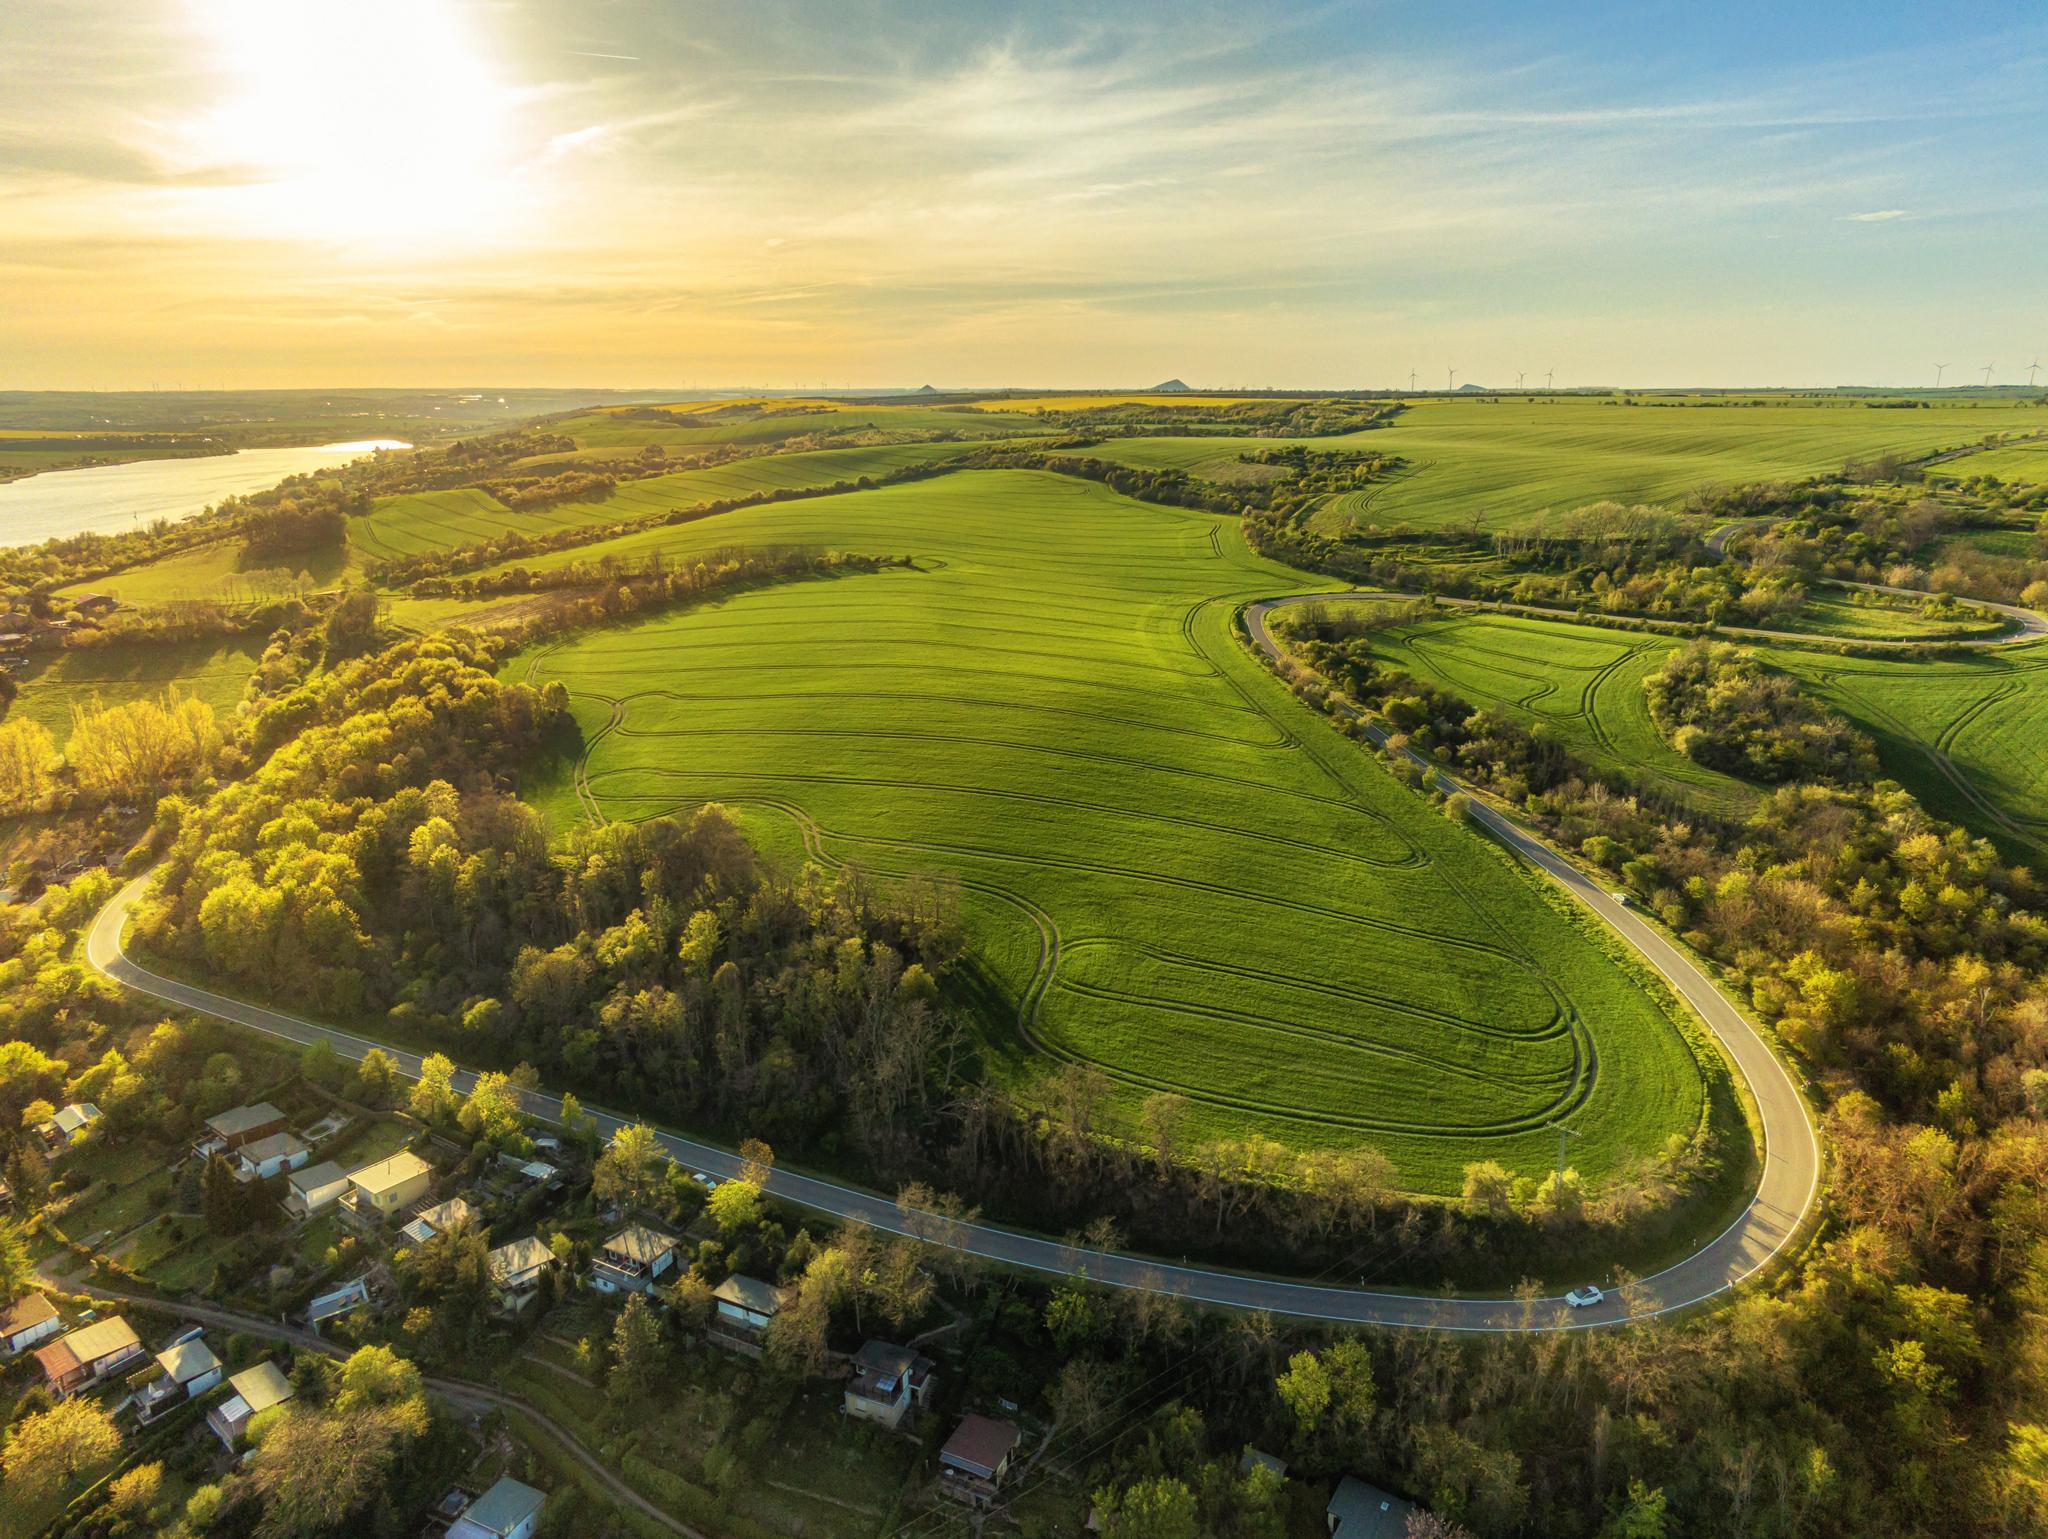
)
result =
(211, 572)
(2014, 544)
(2025, 464)
(1835, 612)
(1169, 868)
(213, 671)
(1502, 462)
(720, 424)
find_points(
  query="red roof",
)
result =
(979, 1445)
(58, 1361)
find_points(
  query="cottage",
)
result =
(887, 1382)
(1361, 1511)
(509, 1510)
(255, 1390)
(439, 1219)
(632, 1260)
(68, 1125)
(745, 1305)
(976, 1458)
(95, 603)
(243, 1125)
(381, 1191)
(186, 1368)
(30, 1319)
(88, 1355)
(313, 1187)
(269, 1156)
(339, 1301)
(516, 1271)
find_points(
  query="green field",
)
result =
(1501, 462)
(2013, 544)
(2025, 464)
(213, 671)
(780, 420)
(1834, 612)
(1169, 868)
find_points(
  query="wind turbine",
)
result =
(1987, 374)
(1547, 378)
(1411, 381)
(1520, 375)
(1450, 378)
(1939, 369)
(2033, 369)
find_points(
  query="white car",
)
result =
(1623, 899)
(709, 1183)
(1585, 1298)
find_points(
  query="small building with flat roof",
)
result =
(88, 1355)
(255, 1390)
(68, 1125)
(509, 1510)
(439, 1219)
(1358, 1510)
(888, 1382)
(382, 1191)
(743, 1306)
(238, 1126)
(272, 1154)
(976, 1458)
(516, 1271)
(311, 1188)
(187, 1369)
(28, 1320)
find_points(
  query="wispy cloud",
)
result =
(1877, 216)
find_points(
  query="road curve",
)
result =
(1791, 1167)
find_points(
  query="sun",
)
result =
(381, 122)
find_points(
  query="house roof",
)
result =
(1361, 1511)
(395, 1171)
(188, 1360)
(750, 1293)
(505, 1506)
(233, 1124)
(443, 1216)
(879, 1366)
(262, 1387)
(30, 1310)
(508, 1261)
(76, 1116)
(310, 1178)
(272, 1147)
(338, 1301)
(979, 1444)
(103, 1338)
(636, 1242)
(57, 1360)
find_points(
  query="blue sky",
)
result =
(539, 191)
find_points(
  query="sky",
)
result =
(270, 193)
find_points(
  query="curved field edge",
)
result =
(1088, 901)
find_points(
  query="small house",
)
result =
(509, 1510)
(439, 1219)
(976, 1459)
(88, 1355)
(311, 1188)
(381, 1191)
(186, 1369)
(242, 1125)
(888, 1381)
(744, 1306)
(632, 1260)
(269, 1156)
(68, 1125)
(1361, 1511)
(255, 1390)
(339, 1301)
(30, 1319)
(95, 603)
(516, 1271)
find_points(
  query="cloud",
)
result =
(1877, 216)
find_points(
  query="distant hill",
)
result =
(1474, 389)
(1171, 387)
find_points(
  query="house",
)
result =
(976, 1458)
(313, 1187)
(745, 1305)
(1361, 1511)
(439, 1219)
(381, 1191)
(30, 1319)
(243, 1125)
(632, 1259)
(339, 1301)
(88, 1355)
(64, 1129)
(887, 1382)
(537, 1171)
(509, 1510)
(95, 603)
(188, 1369)
(268, 1156)
(255, 1390)
(516, 1271)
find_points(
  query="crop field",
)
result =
(211, 572)
(1503, 462)
(1840, 614)
(1168, 867)
(212, 671)
(2013, 544)
(1965, 734)
(1582, 682)
(2024, 464)
(779, 421)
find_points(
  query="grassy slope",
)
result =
(1503, 462)
(211, 670)
(2025, 464)
(1248, 909)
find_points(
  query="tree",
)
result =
(735, 1206)
(1640, 1517)
(491, 1111)
(223, 1201)
(1488, 1189)
(1158, 1508)
(579, 1128)
(28, 763)
(636, 1352)
(17, 1267)
(433, 1098)
(1305, 1390)
(48, 1450)
(377, 1078)
(131, 1495)
(630, 1170)
(317, 1473)
(373, 1378)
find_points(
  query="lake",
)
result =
(111, 498)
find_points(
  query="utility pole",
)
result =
(1563, 1133)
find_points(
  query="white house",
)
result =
(313, 1187)
(255, 1390)
(30, 1319)
(269, 1156)
(63, 1129)
(632, 1260)
(887, 1381)
(439, 1219)
(339, 1301)
(516, 1271)
(242, 1125)
(88, 1355)
(745, 1305)
(189, 1370)
(509, 1510)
